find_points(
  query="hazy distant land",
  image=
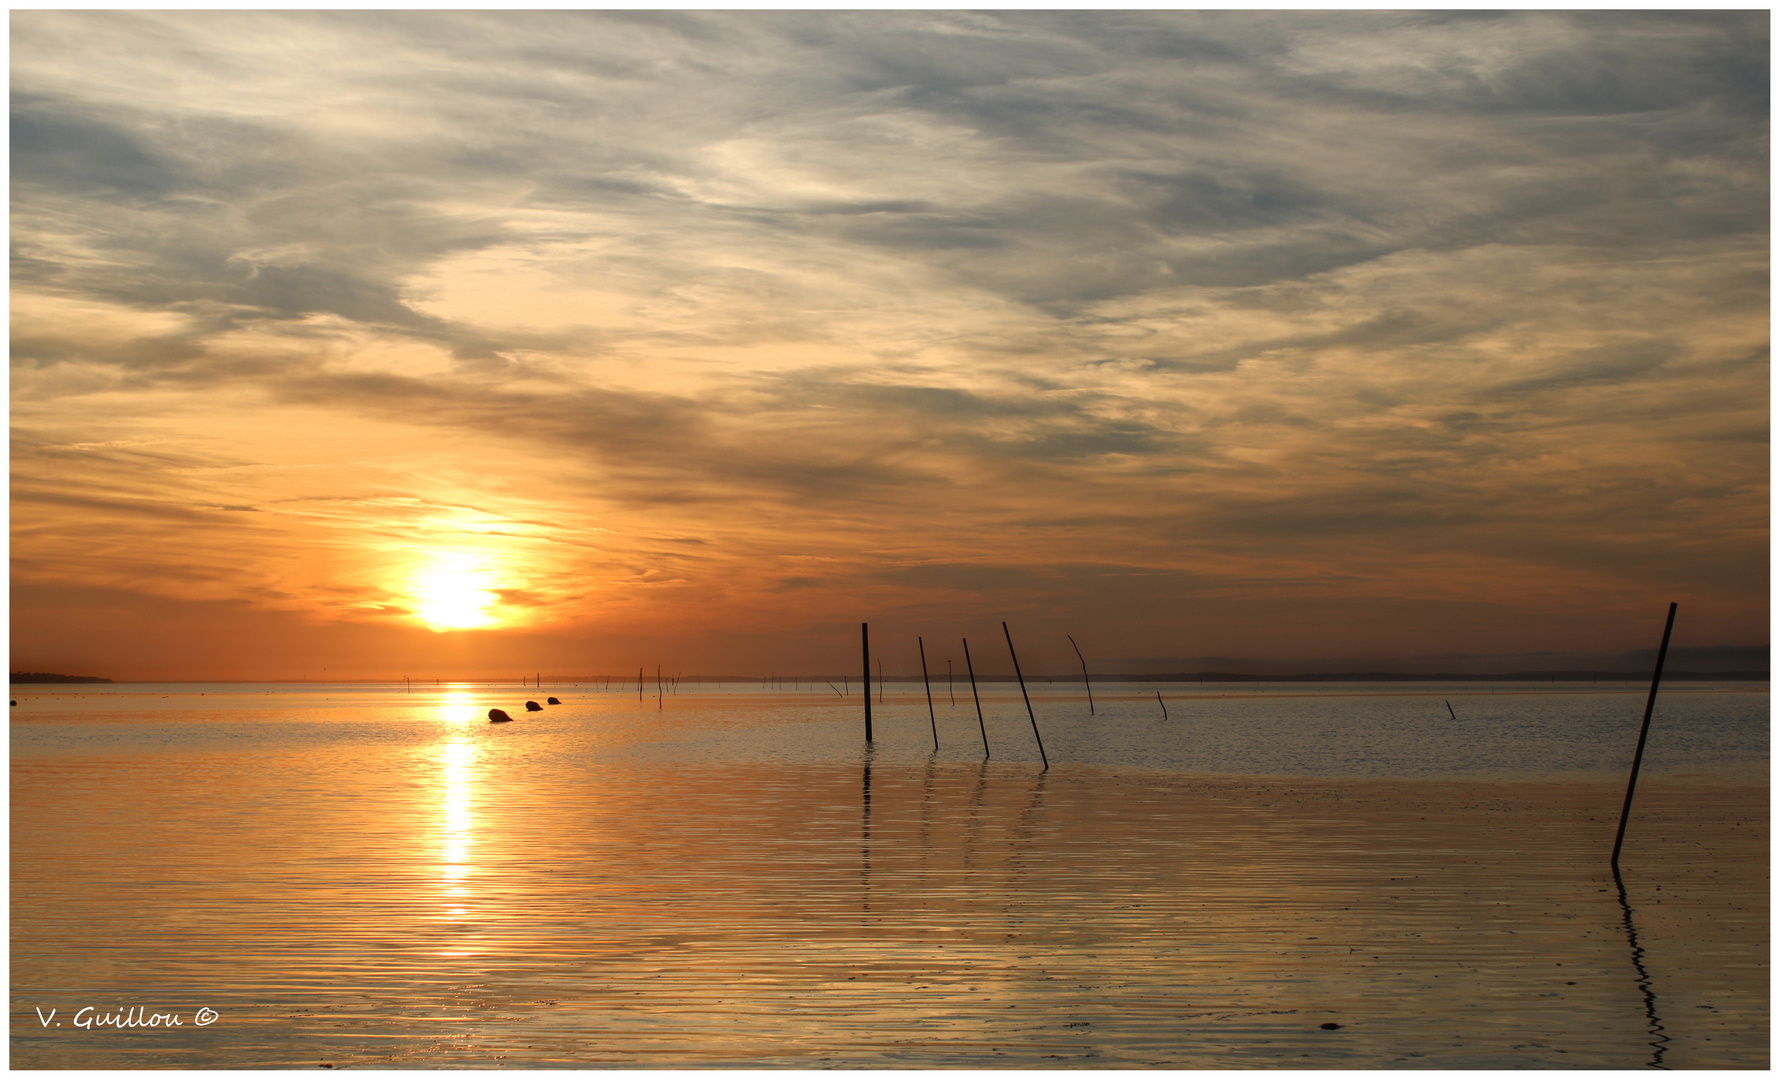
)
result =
(1177, 676)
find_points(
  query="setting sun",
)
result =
(453, 596)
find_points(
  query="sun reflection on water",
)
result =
(459, 760)
(457, 709)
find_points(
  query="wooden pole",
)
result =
(1643, 733)
(1162, 703)
(975, 698)
(1025, 696)
(1085, 682)
(929, 686)
(865, 649)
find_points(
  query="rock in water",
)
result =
(532, 706)
(551, 701)
(499, 716)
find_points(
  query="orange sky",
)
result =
(465, 344)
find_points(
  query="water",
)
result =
(359, 876)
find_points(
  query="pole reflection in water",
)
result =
(865, 834)
(1659, 1040)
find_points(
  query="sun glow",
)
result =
(453, 595)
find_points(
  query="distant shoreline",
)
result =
(713, 681)
(1513, 676)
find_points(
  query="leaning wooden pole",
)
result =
(1643, 734)
(865, 648)
(929, 686)
(1085, 682)
(975, 698)
(1025, 696)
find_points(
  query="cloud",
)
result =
(1279, 303)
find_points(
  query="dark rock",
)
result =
(1331, 1027)
(551, 701)
(532, 706)
(499, 716)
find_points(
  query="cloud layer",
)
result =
(1233, 334)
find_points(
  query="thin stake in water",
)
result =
(865, 648)
(929, 686)
(1643, 734)
(1085, 682)
(1025, 696)
(1449, 711)
(973, 697)
(1162, 703)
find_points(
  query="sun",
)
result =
(451, 595)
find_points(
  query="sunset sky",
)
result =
(459, 344)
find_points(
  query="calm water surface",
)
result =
(359, 876)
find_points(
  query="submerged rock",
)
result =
(551, 701)
(532, 706)
(499, 716)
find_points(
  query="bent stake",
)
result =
(1023, 694)
(973, 697)
(1085, 682)
(929, 686)
(1643, 733)
(1162, 703)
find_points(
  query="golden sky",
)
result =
(466, 344)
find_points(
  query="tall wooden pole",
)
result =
(1023, 694)
(865, 648)
(929, 686)
(1643, 733)
(975, 698)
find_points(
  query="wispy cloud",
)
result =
(889, 307)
